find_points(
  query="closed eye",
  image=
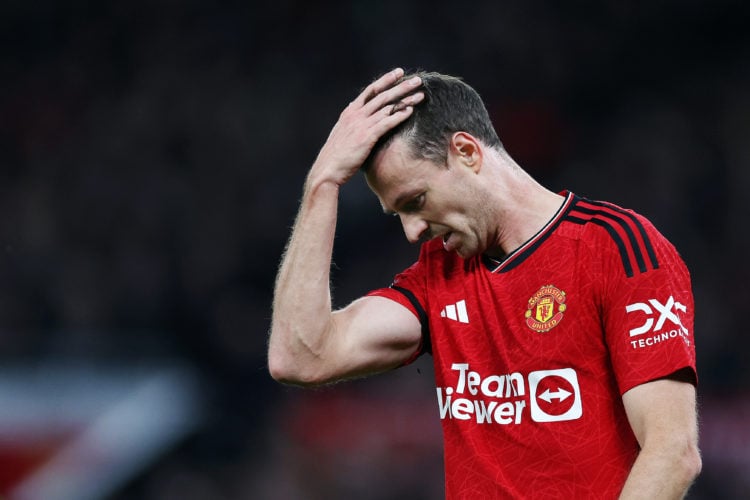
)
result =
(414, 205)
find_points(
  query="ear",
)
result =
(466, 150)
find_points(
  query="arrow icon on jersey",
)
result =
(560, 394)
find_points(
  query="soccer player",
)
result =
(561, 328)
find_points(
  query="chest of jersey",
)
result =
(541, 315)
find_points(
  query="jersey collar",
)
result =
(520, 254)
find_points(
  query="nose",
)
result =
(414, 227)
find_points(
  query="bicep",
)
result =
(374, 334)
(662, 413)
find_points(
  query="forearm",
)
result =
(302, 300)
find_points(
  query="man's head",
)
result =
(432, 169)
(449, 106)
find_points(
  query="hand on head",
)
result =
(382, 105)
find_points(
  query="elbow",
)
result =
(283, 370)
(287, 369)
(692, 463)
(687, 466)
(277, 368)
(282, 367)
(297, 355)
(288, 373)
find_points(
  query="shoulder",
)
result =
(620, 234)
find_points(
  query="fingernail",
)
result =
(415, 80)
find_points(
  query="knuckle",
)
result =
(347, 110)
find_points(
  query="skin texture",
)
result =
(663, 417)
(480, 201)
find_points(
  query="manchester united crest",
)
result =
(546, 308)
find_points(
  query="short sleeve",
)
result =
(409, 290)
(647, 309)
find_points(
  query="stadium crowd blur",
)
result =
(153, 155)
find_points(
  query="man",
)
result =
(560, 328)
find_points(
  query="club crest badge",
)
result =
(546, 308)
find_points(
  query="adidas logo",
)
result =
(456, 312)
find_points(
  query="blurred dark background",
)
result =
(152, 156)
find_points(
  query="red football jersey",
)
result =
(533, 354)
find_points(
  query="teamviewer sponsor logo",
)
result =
(552, 396)
(555, 395)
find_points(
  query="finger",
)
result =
(409, 100)
(382, 83)
(399, 106)
(390, 117)
(401, 110)
(393, 94)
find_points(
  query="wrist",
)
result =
(315, 185)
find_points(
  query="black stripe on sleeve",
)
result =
(426, 344)
(613, 234)
(637, 224)
(600, 215)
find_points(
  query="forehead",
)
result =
(394, 165)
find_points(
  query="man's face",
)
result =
(432, 200)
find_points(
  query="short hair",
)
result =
(450, 105)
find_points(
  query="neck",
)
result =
(525, 208)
